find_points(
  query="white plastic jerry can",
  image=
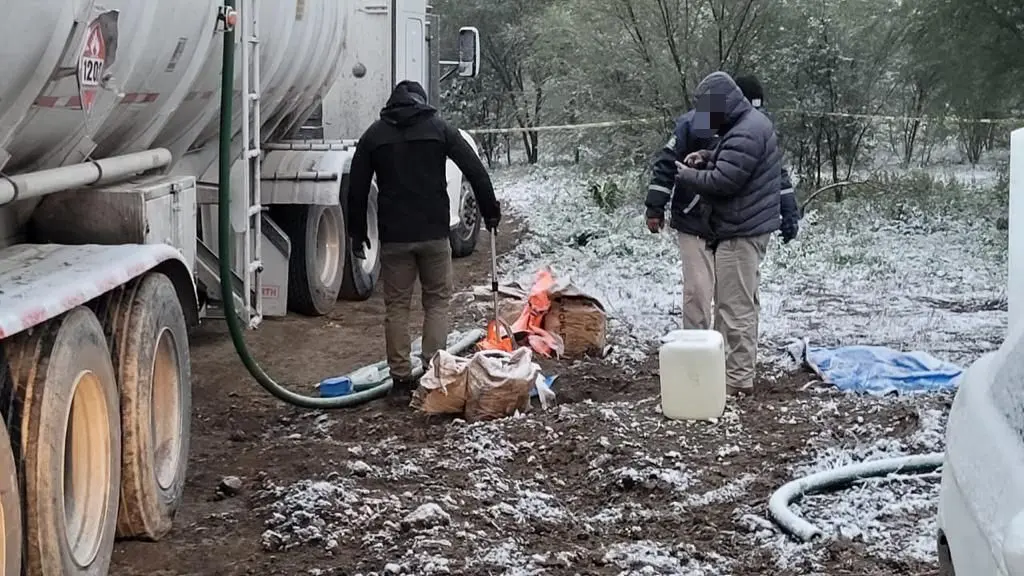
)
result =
(692, 366)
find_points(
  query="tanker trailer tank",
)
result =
(193, 125)
(84, 88)
(170, 62)
(298, 46)
(301, 189)
(35, 40)
(109, 132)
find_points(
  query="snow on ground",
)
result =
(467, 488)
(615, 484)
(863, 271)
(611, 256)
(875, 270)
(893, 516)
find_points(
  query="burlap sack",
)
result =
(443, 388)
(581, 323)
(576, 318)
(499, 384)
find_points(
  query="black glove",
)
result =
(790, 215)
(359, 247)
(789, 230)
(492, 223)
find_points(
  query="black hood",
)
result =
(407, 105)
(752, 90)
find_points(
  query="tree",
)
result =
(830, 67)
(510, 31)
(970, 48)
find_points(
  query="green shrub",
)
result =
(609, 196)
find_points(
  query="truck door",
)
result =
(411, 62)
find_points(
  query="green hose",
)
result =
(363, 393)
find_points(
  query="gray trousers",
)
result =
(720, 290)
(400, 265)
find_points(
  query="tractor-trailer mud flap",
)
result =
(39, 282)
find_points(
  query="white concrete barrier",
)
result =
(1016, 257)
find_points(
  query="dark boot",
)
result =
(401, 391)
(738, 391)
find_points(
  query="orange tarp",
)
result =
(530, 322)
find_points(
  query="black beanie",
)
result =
(752, 90)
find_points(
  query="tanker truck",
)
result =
(111, 134)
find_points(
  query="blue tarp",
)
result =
(878, 370)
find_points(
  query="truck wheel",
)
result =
(317, 263)
(361, 275)
(464, 236)
(149, 347)
(945, 558)
(64, 414)
(10, 509)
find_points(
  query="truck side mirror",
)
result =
(469, 52)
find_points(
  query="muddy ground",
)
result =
(599, 485)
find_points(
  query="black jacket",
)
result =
(407, 149)
(689, 215)
(743, 183)
(788, 206)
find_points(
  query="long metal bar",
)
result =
(36, 184)
(245, 32)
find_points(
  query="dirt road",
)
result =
(597, 486)
(235, 422)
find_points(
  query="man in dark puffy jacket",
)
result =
(741, 184)
(754, 92)
(690, 219)
(406, 148)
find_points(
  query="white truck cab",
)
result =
(369, 70)
(981, 502)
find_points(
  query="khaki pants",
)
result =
(400, 265)
(724, 285)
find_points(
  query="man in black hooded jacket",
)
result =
(406, 149)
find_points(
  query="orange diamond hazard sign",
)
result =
(91, 64)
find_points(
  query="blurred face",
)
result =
(711, 110)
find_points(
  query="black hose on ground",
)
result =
(790, 523)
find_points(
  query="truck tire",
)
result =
(945, 557)
(361, 275)
(463, 237)
(317, 263)
(148, 338)
(63, 413)
(10, 509)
